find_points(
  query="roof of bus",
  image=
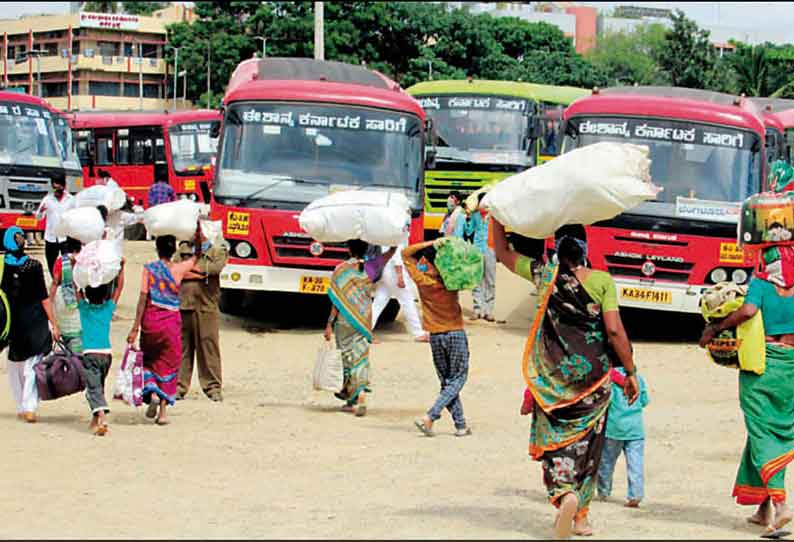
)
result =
(309, 80)
(771, 120)
(668, 107)
(786, 117)
(6, 96)
(775, 105)
(120, 119)
(530, 91)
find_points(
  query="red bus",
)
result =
(295, 130)
(29, 158)
(133, 146)
(786, 118)
(776, 148)
(707, 152)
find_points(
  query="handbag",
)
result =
(60, 374)
(129, 379)
(328, 369)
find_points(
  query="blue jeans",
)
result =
(635, 464)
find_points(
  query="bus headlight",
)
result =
(243, 249)
(739, 276)
(718, 275)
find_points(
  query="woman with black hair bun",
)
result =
(576, 337)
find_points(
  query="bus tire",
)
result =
(390, 312)
(231, 301)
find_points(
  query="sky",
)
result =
(776, 16)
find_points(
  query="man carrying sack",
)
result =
(199, 296)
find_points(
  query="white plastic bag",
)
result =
(212, 230)
(84, 224)
(178, 218)
(97, 263)
(328, 369)
(380, 218)
(111, 196)
(588, 184)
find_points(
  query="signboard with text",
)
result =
(111, 21)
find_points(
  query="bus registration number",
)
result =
(314, 285)
(646, 295)
(26, 222)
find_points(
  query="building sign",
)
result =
(111, 21)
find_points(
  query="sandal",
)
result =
(361, 411)
(423, 428)
(101, 430)
(465, 432)
(158, 421)
(151, 411)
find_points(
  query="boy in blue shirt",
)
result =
(625, 433)
(96, 311)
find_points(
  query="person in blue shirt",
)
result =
(96, 308)
(625, 433)
(476, 230)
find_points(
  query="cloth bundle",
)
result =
(111, 196)
(588, 184)
(177, 218)
(83, 223)
(98, 263)
(377, 217)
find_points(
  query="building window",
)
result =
(108, 48)
(104, 88)
(75, 88)
(149, 50)
(53, 90)
(123, 147)
(104, 150)
(128, 49)
(151, 91)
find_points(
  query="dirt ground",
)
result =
(278, 460)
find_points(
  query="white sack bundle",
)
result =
(178, 218)
(380, 218)
(111, 196)
(83, 223)
(99, 262)
(588, 184)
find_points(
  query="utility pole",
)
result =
(176, 72)
(209, 65)
(183, 75)
(319, 36)
(140, 76)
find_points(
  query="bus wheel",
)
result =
(232, 301)
(390, 312)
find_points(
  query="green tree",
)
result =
(142, 8)
(631, 57)
(101, 7)
(687, 55)
(752, 69)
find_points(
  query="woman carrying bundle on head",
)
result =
(350, 323)
(767, 400)
(576, 336)
(159, 323)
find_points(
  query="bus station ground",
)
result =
(279, 460)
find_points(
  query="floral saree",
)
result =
(351, 294)
(566, 367)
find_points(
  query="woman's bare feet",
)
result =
(568, 505)
(633, 503)
(29, 417)
(762, 516)
(783, 516)
(162, 418)
(581, 527)
(361, 407)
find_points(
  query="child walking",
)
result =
(625, 433)
(443, 319)
(96, 311)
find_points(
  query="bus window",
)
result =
(159, 150)
(83, 146)
(104, 150)
(123, 147)
(142, 147)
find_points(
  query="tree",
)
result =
(687, 55)
(631, 57)
(101, 7)
(142, 8)
(752, 69)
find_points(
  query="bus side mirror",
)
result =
(430, 159)
(215, 130)
(429, 132)
(205, 191)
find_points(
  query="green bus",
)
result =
(484, 131)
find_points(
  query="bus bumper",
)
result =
(275, 279)
(663, 297)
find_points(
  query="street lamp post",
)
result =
(183, 75)
(176, 72)
(264, 45)
(209, 74)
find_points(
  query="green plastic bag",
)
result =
(459, 263)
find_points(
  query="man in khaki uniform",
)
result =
(199, 296)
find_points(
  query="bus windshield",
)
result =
(66, 144)
(192, 148)
(27, 136)
(296, 153)
(688, 160)
(478, 122)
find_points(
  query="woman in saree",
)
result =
(350, 323)
(767, 400)
(575, 338)
(159, 323)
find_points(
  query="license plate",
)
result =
(314, 285)
(646, 295)
(26, 222)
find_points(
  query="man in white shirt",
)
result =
(52, 207)
(395, 283)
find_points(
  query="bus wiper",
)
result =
(280, 180)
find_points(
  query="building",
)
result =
(91, 60)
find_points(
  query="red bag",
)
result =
(59, 374)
